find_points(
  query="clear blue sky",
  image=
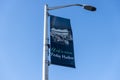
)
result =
(96, 40)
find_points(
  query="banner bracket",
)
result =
(48, 14)
(49, 63)
(48, 45)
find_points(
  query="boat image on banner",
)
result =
(61, 40)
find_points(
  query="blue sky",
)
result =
(96, 40)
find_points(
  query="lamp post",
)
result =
(45, 37)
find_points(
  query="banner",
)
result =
(61, 39)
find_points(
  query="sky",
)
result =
(96, 40)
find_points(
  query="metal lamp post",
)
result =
(45, 37)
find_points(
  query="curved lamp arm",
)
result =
(87, 7)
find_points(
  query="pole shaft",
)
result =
(45, 46)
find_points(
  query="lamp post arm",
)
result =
(58, 7)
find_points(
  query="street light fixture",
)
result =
(45, 37)
(90, 8)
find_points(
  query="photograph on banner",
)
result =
(61, 40)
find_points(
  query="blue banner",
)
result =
(61, 39)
